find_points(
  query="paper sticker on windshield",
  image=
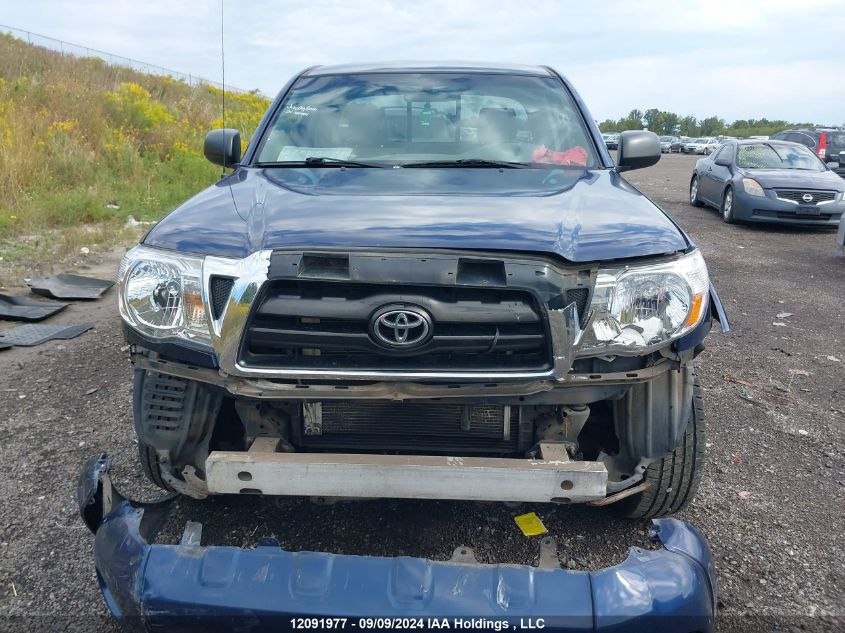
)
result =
(298, 154)
(299, 110)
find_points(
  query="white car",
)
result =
(704, 145)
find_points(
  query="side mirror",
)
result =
(637, 149)
(723, 161)
(223, 147)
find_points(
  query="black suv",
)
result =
(827, 143)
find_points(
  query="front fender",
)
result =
(717, 310)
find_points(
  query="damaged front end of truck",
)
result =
(190, 587)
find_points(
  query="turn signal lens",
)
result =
(696, 311)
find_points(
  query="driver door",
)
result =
(706, 180)
(719, 175)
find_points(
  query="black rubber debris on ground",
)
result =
(66, 286)
(31, 334)
(14, 308)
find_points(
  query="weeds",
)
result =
(84, 145)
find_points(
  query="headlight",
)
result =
(639, 308)
(161, 294)
(753, 188)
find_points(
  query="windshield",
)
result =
(699, 140)
(776, 156)
(665, 139)
(403, 118)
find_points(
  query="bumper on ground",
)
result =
(188, 587)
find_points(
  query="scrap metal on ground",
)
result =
(16, 308)
(68, 286)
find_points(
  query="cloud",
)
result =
(774, 58)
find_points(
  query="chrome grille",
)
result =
(797, 195)
(301, 324)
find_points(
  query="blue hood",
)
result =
(579, 215)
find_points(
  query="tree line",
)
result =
(669, 123)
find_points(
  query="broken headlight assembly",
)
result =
(161, 294)
(637, 309)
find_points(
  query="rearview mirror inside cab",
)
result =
(637, 149)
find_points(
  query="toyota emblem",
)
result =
(807, 197)
(401, 327)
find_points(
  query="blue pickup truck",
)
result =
(419, 281)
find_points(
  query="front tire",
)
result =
(727, 208)
(694, 200)
(674, 479)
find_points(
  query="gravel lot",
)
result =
(772, 501)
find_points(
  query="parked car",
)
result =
(827, 143)
(768, 181)
(840, 236)
(704, 145)
(678, 144)
(666, 143)
(419, 281)
(612, 141)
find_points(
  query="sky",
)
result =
(782, 59)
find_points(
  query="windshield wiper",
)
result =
(470, 162)
(317, 161)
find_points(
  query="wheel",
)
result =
(728, 206)
(675, 478)
(694, 200)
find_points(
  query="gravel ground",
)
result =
(772, 500)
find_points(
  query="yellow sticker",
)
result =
(530, 524)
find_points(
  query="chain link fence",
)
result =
(67, 48)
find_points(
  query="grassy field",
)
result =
(85, 145)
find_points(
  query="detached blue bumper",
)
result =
(188, 587)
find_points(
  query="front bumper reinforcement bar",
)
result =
(552, 479)
(191, 588)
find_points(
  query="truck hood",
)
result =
(579, 215)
